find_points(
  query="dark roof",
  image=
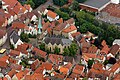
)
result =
(96, 3)
(58, 41)
(114, 49)
(68, 59)
(14, 36)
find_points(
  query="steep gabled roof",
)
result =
(14, 36)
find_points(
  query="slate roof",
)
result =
(96, 3)
(14, 36)
(58, 41)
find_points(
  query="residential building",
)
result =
(3, 36)
(51, 16)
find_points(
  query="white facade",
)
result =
(115, 1)
(32, 30)
(52, 19)
(19, 42)
(3, 39)
(34, 18)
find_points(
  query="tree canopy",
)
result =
(60, 2)
(24, 37)
(70, 51)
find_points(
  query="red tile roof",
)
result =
(114, 67)
(76, 34)
(18, 25)
(70, 21)
(27, 6)
(12, 72)
(114, 49)
(16, 66)
(78, 69)
(92, 49)
(103, 43)
(2, 20)
(10, 3)
(113, 10)
(45, 26)
(97, 66)
(35, 64)
(35, 76)
(39, 52)
(117, 77)
(23, 48)
(69, 29)
(51, 14)
(21, 74)
(19, 8)
(55, 59)
(60, 20)
(2, 33)
(64, 69)
(45, 65)
(105, 50)
(14, 53)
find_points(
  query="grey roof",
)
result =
(14, 36)
(58, 41)
(96, 3)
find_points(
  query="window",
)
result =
(50, 48)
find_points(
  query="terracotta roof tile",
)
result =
(55, 59)
(103, 43)
(76, 34)
(70, 21)
(70, 29)
(21, 74)
(45, 26)
(64, 69)
(14, 53)
(18, 25)
(35, 64)
(51, 14)
(114, 67)
(92, 49)
(2, 33)
(105, 50)
(12, 72)
(78, 69)
(16, 66)
(35, 76)
(114, 49)
(60, 20)
(27, 6)
(39, 52)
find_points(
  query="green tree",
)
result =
(42, 46)
(73, 49)
(31, 3)
(66, 52)
(24, 37)
(60, 2)
(81, 1)
(90, 63)
(38, 2)
(75, 5)
(56, 50)
(11, 46)
(64, 15)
